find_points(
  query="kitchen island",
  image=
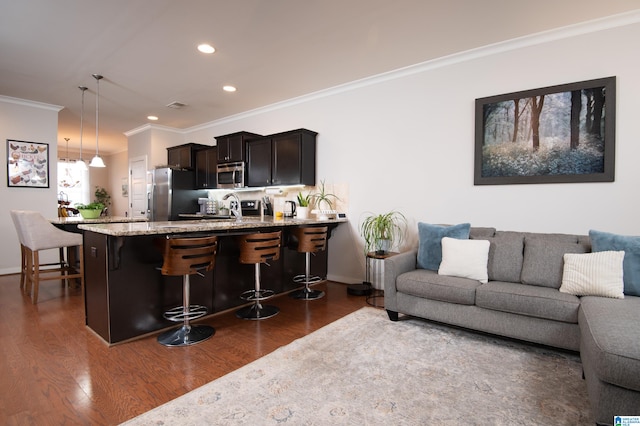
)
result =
(125, 294)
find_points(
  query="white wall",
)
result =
(17, 118)
(118, 167)
(405, 140)
(153, 141)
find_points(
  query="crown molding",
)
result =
(33, 104)
(146, 127)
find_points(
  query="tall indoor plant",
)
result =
(382, 232)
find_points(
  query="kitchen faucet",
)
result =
(235, 210)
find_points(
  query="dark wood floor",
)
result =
(55, 371)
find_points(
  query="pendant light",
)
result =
(97, 161)
(66, 160)
(80, 164)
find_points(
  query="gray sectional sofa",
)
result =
(521, 299)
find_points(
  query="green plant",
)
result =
(102, 196)
(325, 197)
(304, 200)
(382, 232)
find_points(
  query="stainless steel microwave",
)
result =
(231, 175)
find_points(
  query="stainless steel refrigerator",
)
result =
(171, 193)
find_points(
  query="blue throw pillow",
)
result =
(430, 242)
(603, 241)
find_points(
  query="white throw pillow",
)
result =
(465, 258)
(593, 274)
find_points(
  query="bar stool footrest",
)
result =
(257, 295)
(177, 314)
(186, 335)
(302, 279)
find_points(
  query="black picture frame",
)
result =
(575, 139)
(27, 164)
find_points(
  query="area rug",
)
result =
(366, 370)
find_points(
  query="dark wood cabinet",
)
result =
(183, 156)
(206, 165)
(259, 162)
(287, 158)
(231, 147)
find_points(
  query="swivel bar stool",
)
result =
(258, 248)
(311, 239)
(187, 256)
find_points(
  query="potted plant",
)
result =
(324, 203)
(102, 197)
(304, 202)
(91, 210)
(382, 232)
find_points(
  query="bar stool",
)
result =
(36, 234)
(187, 256)
(258, 248)
(311, 239)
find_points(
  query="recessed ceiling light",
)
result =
(206, 48)
(152, 117)
(229, 89)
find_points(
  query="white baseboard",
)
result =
(343, 279)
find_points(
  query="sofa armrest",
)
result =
(393, 267)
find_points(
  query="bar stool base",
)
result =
(257, 311)
(307, 294)
(186, 335)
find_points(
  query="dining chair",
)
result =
(36, 234)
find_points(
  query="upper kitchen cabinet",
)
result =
(183, 156)
(231, 147)
(287, 158)
(206, 168)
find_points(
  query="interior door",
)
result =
(138, 187)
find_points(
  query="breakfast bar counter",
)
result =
(125, 293)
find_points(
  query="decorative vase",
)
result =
(302, 212)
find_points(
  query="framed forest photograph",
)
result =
(556, 134)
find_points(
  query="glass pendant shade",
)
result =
(81, 165)
(97, 161)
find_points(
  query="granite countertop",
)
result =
(102, 219)
(181, 226)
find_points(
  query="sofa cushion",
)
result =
(505, 256)
(464, 258)
(429, 240)
(480, 233)
(430, 285)
(533, 301)
(543, 260)
(610, 337)
(604, 241)
(593, 274)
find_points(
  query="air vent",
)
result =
(176, 105)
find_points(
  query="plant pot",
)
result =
(383, 246)
(89, 214)
(302, 212)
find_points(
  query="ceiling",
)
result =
(271, 50)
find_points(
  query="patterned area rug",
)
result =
(366, 370)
